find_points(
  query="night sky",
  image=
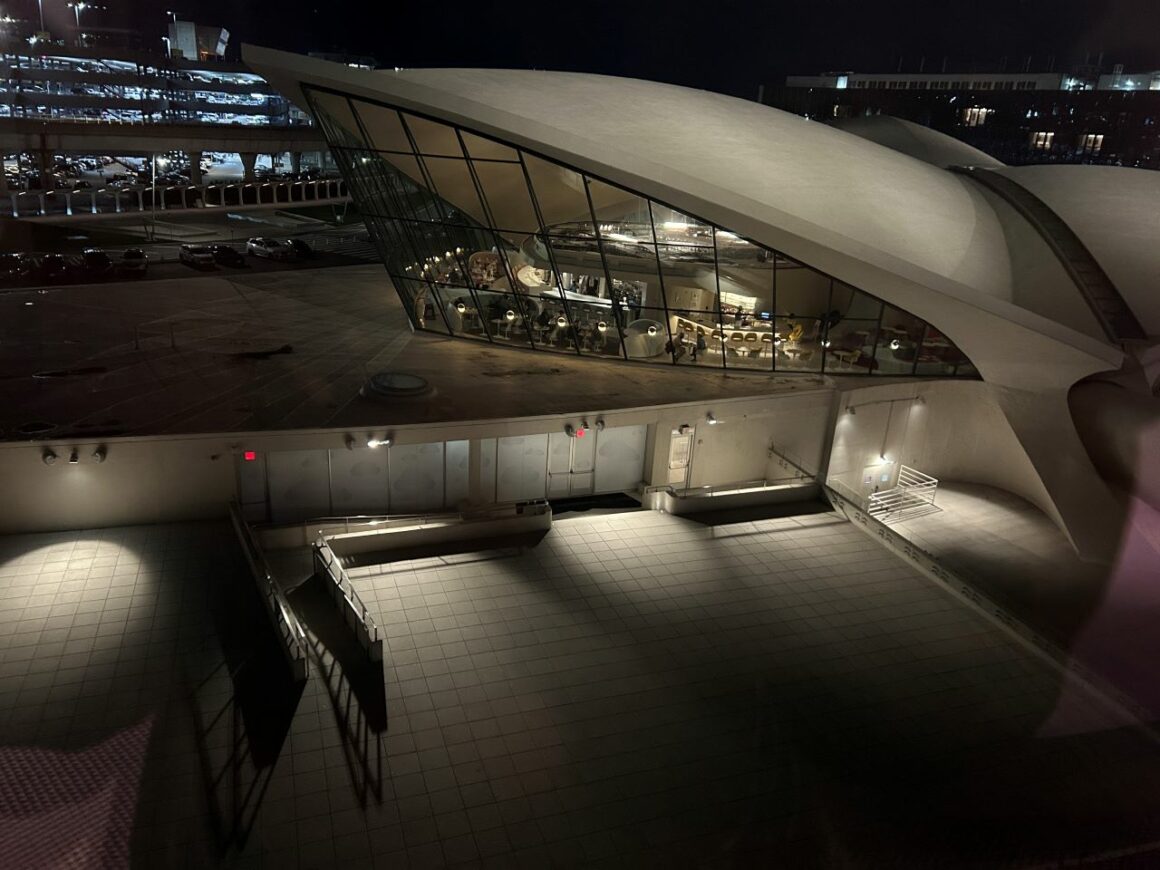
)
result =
(725, 45)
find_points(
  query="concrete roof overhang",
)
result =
(915, 235)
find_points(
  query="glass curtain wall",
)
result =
(490, 242)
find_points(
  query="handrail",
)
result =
(285, 623)
(786, 458)
(913, 490)
(332, 565)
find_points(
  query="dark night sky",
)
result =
(725, 45)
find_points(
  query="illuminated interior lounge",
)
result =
(494, 243)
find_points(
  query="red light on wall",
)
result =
(580, 432)
(249, 456)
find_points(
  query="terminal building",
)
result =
(615, 292)
(1087, 116)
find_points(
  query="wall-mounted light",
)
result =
(825, 342)
(652, 330)
(510, 315)
(576, 431)
(374, 442)
(920, 399)
(349, 442)
(99, 453)
(561, 320)
(711, 420)
(74, 457)
(460, 307)
(850, 410)
(599, 424)
(48, 457)
(895, 344)
(602, 326)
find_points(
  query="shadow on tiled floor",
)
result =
(635, 690)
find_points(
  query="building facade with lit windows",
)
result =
(1016, 117)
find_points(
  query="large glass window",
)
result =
(487, 241)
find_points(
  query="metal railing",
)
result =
(347, 598)
(790, 462)
(914, 491)
(285, 623)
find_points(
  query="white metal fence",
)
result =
(914, 493)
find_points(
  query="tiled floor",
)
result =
(636, 690)
(1103, 613)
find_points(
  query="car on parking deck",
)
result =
(53, 268)
(227, 255)
(133, 262)
(197, 256)
(300, 248)
(95, 263)
(15, 267)
(259, 246)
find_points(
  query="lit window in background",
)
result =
(1042, 141)
(976, 117)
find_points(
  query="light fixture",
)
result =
(349, 441)
(711, 420)
(652, 330)
(602, 326)
(74, 457)
(576, 431)
(48, 457)
(460, 307)
(373, 442)
(599, 424)
(921, 399)
(510, 315)
(249, 456)
(850, 410)
(895, 344)
(99, 453)
(825, 342)
(561, 320)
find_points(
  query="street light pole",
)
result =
(40, 3)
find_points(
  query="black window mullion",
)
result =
(551, 251)
(877, 338)
(616, 306)
(918, 349)
(491, 230)
(415, 249)
(720, 318)
(826, 324)
(652, 228)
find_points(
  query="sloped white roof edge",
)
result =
(1009, 344)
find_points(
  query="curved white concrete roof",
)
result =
(918, 236)
(1115, 211)
(914, 140)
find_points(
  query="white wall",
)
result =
(960, 433)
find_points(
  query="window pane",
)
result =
(453, 183)
(507, 196)
(801, 292)
(337, 121)
(646, 336)
(898, 342)
(851, 302)
(433, 138)
(560, 195)
(614, 205)
(799, 347)
(851, 346)
(938, 355)
(485, 149)
(745, 281)
(383, 127)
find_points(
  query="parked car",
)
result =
(53, 268)
(300, 248)
(227, 255)
(196, 255)
(271, 248)
(133, 262)
(15, 267)
(96, 263)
